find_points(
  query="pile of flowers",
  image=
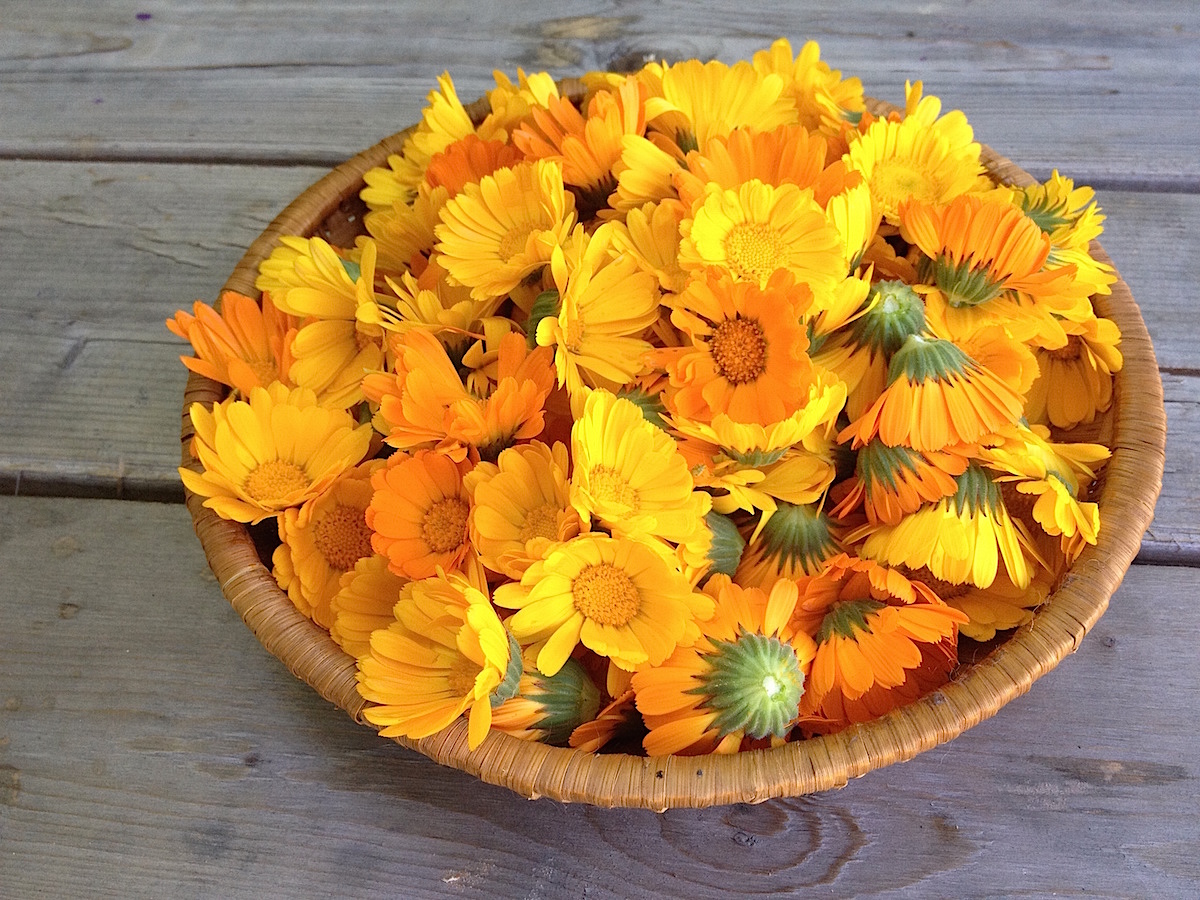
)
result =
(700, 407)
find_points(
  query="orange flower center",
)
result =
(445, 525)
(541, 522)
(610, 486)
(265, 370)
(460, 678)
(739, 350)
(514, 241)
(1071, 352)
(342, 537)
(275, 481)
(944, 589)
(606, 594)
(754, 250)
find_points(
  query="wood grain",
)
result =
(211, 80)
(148, 745)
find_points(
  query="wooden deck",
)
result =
(150, 747)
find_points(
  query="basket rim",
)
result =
(1130, 485)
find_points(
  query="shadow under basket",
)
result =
(1134, 428)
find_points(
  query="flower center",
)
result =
(944, 589)
(541, 522)
(514, 241)
(275, 481)
(265, 370)
(460, 677)
(1072, 351)
(754, 250)
(739, 350)
(342, 537)
(894, 179)
(754, 685)
(610, 486)
(606, 594)
(445, 525)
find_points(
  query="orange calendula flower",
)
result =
(936, 396)
(245, 345)
(747, 358)
(468, 160)
(981, 249)
(881, 641)
(496, 232)
(742, 680)
(891, 482)
(418, 514)
(445, 653)
(322, 540)
(622, 598)
(549, 708)
(793, 541)
(273, 451)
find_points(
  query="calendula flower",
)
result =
(1076, 380)
(920, 157)
(881, 641)
(587, 146)
(692, 102)
(322, 540)
(936, 396)
(548, 708)
(758, 229)
(1001, 606)
(1071, 219)
(245, 345)
(981, 249)
(747, 358)
(446, 653)
(615, 720)
(891, 482)
(273, 451)
(520, 505)
(743, 679)
(794, 541)
(364, 602)
(629, 476)
(622, 598)
(418, 514)
(963, 538)
(605, 303)
(403, 234)
(495, 233)
(468, 160)
(650, 234)
(824, 100)
(424, 405)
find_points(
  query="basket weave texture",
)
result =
(1134, 428)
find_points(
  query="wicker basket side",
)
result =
(1135, 428)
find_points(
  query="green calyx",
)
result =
(568, 698)
(927, 359)
(757, 459)
(725, 552)
(895, 312)
(754, 685)
(976, 491)
(963, 284)
(547, 303)
(507, 689)
(798, 537)
(847, 618)
(651, 405)
(878, 464)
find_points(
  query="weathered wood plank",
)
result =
(1110, 99)
(148, 745)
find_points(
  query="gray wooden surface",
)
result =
(150, 747)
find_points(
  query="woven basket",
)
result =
(1135, 429)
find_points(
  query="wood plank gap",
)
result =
(90, 487)
(72, 155)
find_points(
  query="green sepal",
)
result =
(507, 689)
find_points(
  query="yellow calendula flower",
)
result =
(743, 679)
(824, 100)
(273, 451)
(605, 301)
(495, 233)
(757, 230)
(445, 654)
(520, 505)
(794, 540)
(650, 234)
(322, 540)
(1001, 606)
(630, 477)
(622, 598)
(1076, 380)
(920, 157)
(366, 596)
